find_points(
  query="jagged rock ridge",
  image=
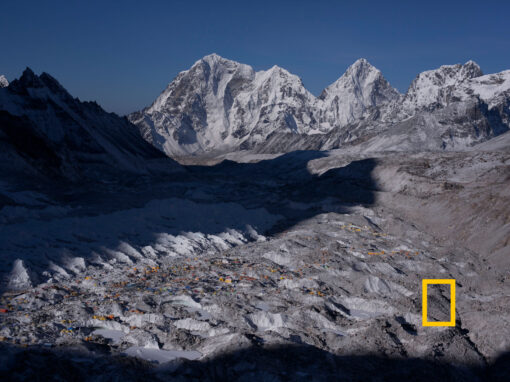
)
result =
(43, 128)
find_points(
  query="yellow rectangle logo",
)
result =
(425, 283)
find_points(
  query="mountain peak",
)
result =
(215, 63)
(28, 76)
(360, 75)
(447, 75)
(214, 59)
(27, 80)
(28, 72)
(212, 56)
(361, 65)
(279, 76)
(472, 69)
(3, 82)
(361, 62)
(433, 87)
(30, 80)
(278, 69)
(360, 88)
(471, 62)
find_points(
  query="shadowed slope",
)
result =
(256, 363)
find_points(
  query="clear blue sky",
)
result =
(124, 53)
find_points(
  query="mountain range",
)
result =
(220, 106)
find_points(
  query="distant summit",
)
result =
(361, 87)
(3, 82)
(434, 87)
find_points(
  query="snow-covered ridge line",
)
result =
(220, 105)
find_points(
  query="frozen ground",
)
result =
(307, 266)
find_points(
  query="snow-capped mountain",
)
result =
(450, 108)
(221, 105)
(43, 127)
(492, 89)
(3, 82)
(361, 87)
(434, 88)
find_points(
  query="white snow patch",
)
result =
(185, 300)
(115, 335)
(267, 321)
(161, 356)
(192, 325)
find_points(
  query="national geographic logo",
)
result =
(425, 284)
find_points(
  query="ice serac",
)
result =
(3, 82)
(43, 127)
(219, 104)
(361, 88)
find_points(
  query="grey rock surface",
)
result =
(339, 271)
